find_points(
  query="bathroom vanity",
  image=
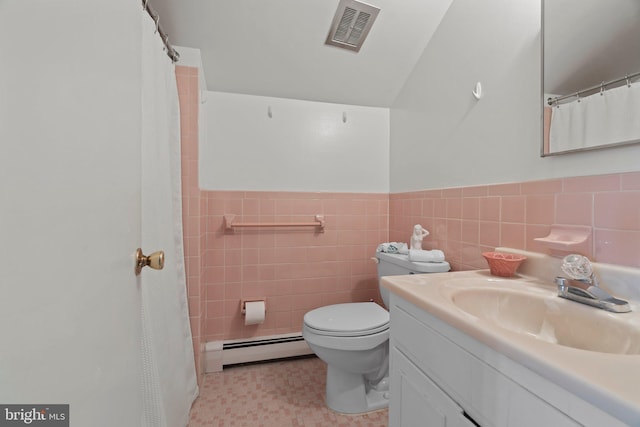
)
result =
(471, 349)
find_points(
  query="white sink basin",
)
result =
(549, 318)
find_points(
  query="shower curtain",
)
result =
(169, 376)
(609, 117)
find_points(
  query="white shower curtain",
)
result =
(600, 119)
(169, 376)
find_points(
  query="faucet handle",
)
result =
(577, 267)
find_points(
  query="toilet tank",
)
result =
(399, 264)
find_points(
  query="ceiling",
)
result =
(277, 47)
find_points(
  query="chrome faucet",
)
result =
(587, 292)
(583, 286)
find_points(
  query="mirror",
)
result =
(591, 74)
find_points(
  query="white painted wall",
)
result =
(304, 146)
(442, 137)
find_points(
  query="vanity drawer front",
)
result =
(528, 410)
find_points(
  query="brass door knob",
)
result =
(155, 260)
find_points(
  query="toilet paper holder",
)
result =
(243, 304)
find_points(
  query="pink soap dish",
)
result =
(503, 265)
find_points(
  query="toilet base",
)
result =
(349, 393)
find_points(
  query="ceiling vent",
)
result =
(351, 24)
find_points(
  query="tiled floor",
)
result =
(276, 394)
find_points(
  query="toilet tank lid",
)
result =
(418, 267)
(348, 317)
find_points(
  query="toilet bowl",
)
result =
(353, 340)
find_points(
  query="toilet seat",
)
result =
(347, 320)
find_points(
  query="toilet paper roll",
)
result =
(254, 312)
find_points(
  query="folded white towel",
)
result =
(393, 248)
(419, 255)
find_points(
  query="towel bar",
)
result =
(229, 223)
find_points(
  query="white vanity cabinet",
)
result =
(442, 377)
(418, 401)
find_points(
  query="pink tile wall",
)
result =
(296, 270)
(464, 222)
(192, 208)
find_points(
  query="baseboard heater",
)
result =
(224, 353)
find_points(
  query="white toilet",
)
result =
(353, 339)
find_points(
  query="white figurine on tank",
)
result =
(419, 233)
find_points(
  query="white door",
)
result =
(70, 208)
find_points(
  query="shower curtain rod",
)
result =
(554, 101)
(173, 54)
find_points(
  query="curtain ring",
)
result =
(578, 96)
(166, 43)
(157, 23)
(144, 4)
(601, 88)
(626, 77)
